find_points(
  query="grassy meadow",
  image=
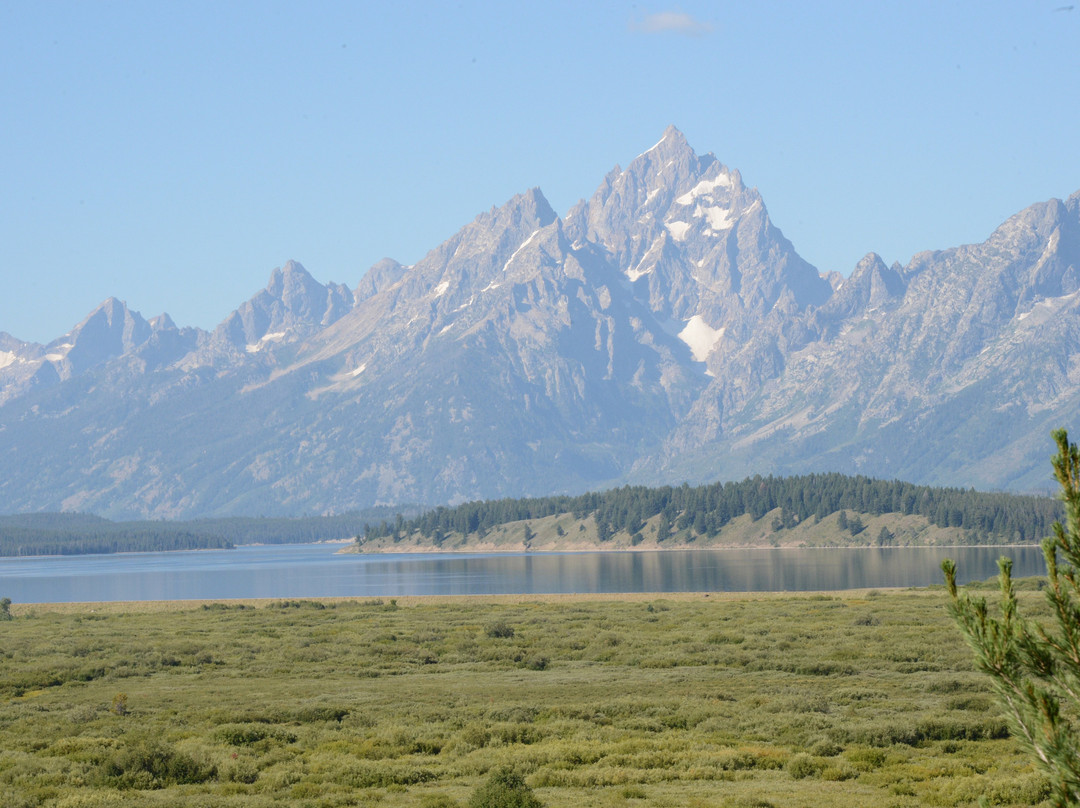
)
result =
(831, 700)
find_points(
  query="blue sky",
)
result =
(172, 154)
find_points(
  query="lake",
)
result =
(318, 570)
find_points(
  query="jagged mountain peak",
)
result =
(289, 274)
(530, 208)
(671, 146)
(111, 313)
(10, 343)
(382, 274)
(107, 310)
(1035, 222)
(672, 162)
(630, 209)
(110, 330)
(299, 293)
(656, 175)
(292, 306)
(481, 249)
(694, 240)
(163, 322)
(871, 284)
(449, 288)
(1072, 203)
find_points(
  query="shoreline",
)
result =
(414, 550)
(348, 549)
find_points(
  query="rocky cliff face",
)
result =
(950, 370)
(665, 330)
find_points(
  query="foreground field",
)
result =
(847, 700)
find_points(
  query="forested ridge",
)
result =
(77, 533)
(704, 510)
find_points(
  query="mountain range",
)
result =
(664, 330)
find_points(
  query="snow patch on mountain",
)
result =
(440, 290)
(1048, 304)
(59, 352)
(700, 337)
(718, 218)
(703, 188)
(636, 272)
(274, 336)
(514, 255)
(677, 229)
(7, 358)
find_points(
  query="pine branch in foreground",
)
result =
(1035, 669)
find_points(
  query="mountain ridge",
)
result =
(664, 330)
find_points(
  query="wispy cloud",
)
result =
(673, 22)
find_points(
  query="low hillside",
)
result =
(824, 510)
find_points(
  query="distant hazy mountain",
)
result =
(665, 330)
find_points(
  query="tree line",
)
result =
(704, 510)
(78, 533)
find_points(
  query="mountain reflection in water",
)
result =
(318, 570)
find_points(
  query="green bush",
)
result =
(536, 662)
(866, 759)
(250, 734)
(239, 770)
(474, 736)
(826, 748)
(316, 712)
(505, 788)
(148, 764)
(438, 801)
(801, 766)
(500, 630)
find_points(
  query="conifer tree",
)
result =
(1035, 669)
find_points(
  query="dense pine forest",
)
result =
(76, 534)
(985, 518)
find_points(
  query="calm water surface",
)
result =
(317, 570)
